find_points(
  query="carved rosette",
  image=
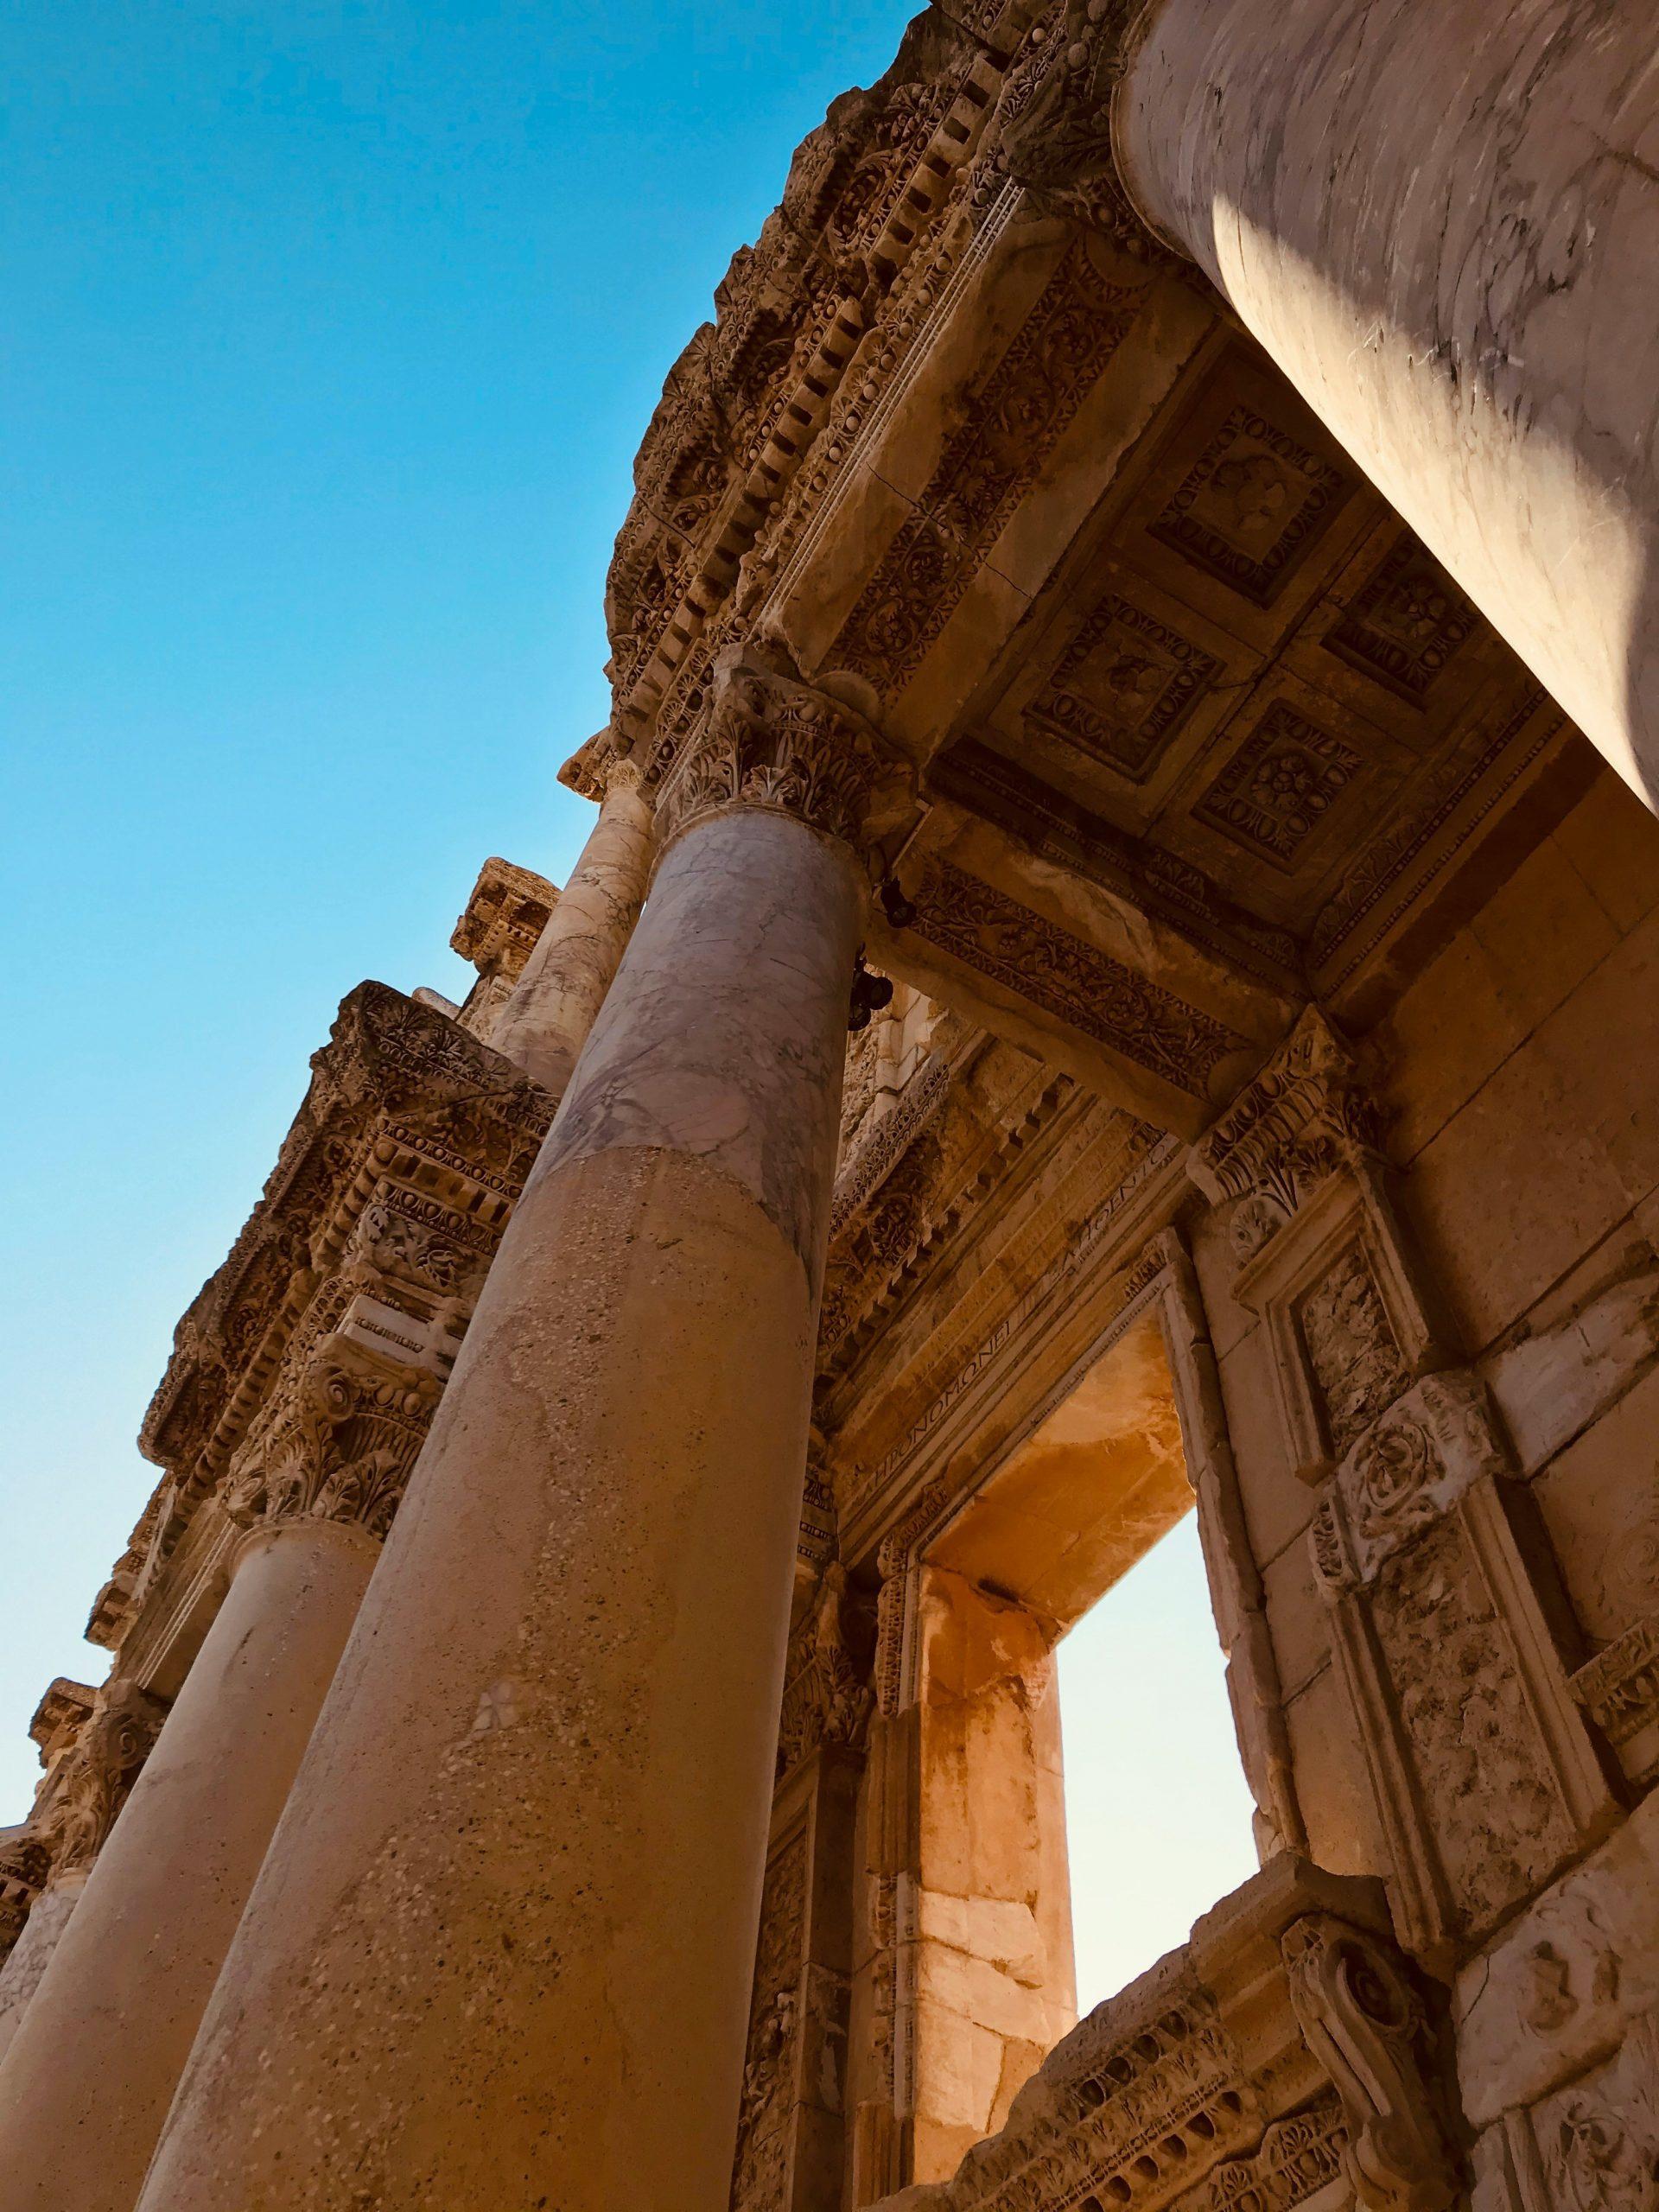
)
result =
(342, 1447)
(95, 1779)
(776, 743)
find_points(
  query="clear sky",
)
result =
(332, 327)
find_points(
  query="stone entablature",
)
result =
(305, 1374)
(1288, 2056)
(389, 1194)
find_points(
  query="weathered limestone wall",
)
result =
(991, 1960)
(1522, 1096)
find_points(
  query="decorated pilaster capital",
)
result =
(344, 1447)
(92, 1782)
(1304, 1117)
(776, 743)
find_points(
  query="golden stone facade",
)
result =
(1117, 967)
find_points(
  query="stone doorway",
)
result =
(1082, 1540)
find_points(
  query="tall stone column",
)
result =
(88, 2079)
(499, 1953)
(84, 1794)
(546, 1019)
(1443, 223)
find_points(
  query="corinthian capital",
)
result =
(776, 742)
(91, 1785)
(342, 1448)
(1054, 124)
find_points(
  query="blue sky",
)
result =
(331, 330)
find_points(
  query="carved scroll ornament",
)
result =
(1366, 2025)
(343, 1450)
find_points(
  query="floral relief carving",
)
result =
(774, 2027)
(1088, 989)
(1276, 789)
(95, 1778)
(1485, 1783)
(1597, 2164)
(24, 1865)
(1299, 2157)
(340, 1447)
(1352, 1348)
(1053, 125)
(1306, 1115)
(775, 742)
(1018, 417)
(1407, 623)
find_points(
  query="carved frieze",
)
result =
(1116, 1006)
(1151, 2101)
(1619, 1687)
(1021, 410)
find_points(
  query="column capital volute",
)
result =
(343, 1446)
(775, 742)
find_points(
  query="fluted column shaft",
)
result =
(500, 1955)
(545, 1020)
(88, 2078)
(1442, 223)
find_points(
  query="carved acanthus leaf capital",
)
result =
(1306, 1115)
(342, 1448)
(91, 1785)
(1054, 124)
(775, 742)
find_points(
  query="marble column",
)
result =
(1442, 223)
(88, 2078)
(500, 1954)
(84, 1798)
(545, 1020)
(31, 1955)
